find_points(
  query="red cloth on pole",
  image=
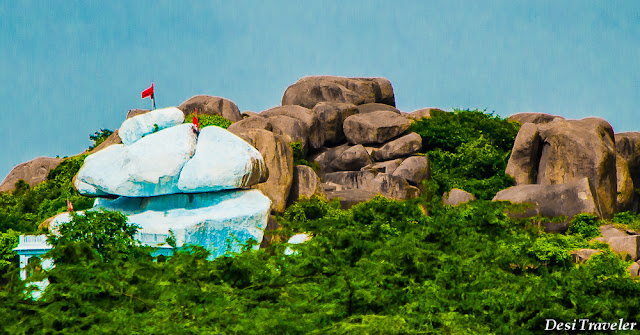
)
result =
(69, 206)
(148, 92)
(195, 120)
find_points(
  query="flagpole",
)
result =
(153, 101)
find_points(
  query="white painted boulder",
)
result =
(149, 167)
(218, 221)
(222, 161)
(137, 127)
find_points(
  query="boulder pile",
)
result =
(165, 177)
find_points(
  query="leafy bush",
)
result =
(627, 220)
(98, 137)
(206, 120)
(468, 150)
(298, 156)
(587, 225)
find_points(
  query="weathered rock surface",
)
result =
(308, 91)
(222, 161)
(218, 221)
(624, 197)
(375, 107)
(331, 116)
(400, 147)
(375, 127)
(137, 127)
(326, 156)
(33, 172)
(352, 159)
(315, 137)
(414, 169)
(567, 199)
(422, 113)
(393, 187)
(624, 244)
(628, 147)
(633, 269)
(247, 114)
(306, 183)
(457, 197)
(568, 150)
(533, 118)
(278, 157)
(211, 105)
(144, 168)
(291, 129)
(583, 255)
(384, 167)
(253, 122)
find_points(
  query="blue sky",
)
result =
(69, 68)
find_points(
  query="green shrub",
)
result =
(98, 137)
(206, 120)
(468, 150)
(298, 156)
(587, 225)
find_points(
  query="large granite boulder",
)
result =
(422, 113)
(384, 167)
(222, 161)
(308, 91)
(566, 199)
(400, 147)
(457, 197)
(33, 172)
(253, 122)
(211, 105)
(151, 166)
(135, 128)
(414, 169)
(375, 107)
(625, 194)
(326, 156)
(375, 127)
(218, 221)
(390, 186)
(291, 129)
(331, 116)
(306, 184)
(278, 156)
(315, 137)
(533, 118)
(628, 147)
(352, 159)
(563, 151)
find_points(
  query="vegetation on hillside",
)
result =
(206, 120)
(468, 149)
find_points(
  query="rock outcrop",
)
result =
(211, 105)
(32, 172)
(375, 127)
(137, 127)
(457, 197)
(564, 151)
(309, 91)
(306, 184)
(533, 118)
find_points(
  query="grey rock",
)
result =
(352, 159)
(308, 91)
(315, 137)
(306, 183)
(400, 147)
(375, 107)
(582, 255)
(384, 167)
(633, 269)
(331, 116)
(414, 169)
(291, 129)
(456, 197)
(253, 122)
(533, 118)
(375, 127)
(326, 156)
(211, 105)
(422, 113)
(33, 172)
(393, 187)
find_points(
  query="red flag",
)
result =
(195, 120)
(69, 206)
(148, 92)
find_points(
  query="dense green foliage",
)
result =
(587, 225)
(382, 267)
(298, 156)
(98, 137)
(22, 210)
(468, 150)
(205, 120)
(627, 220)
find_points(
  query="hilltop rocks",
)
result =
(352, 159)
(364, 185)
(624, 197)
(133, 129)
(306, 183)
(315, 137)
(253, 122)
(533, 118)
(278, 157)
(376, 107)
(211, 105)
(457, 197)
(330, 116)
(422, 113)
(221, 161)
(33, 172)
(565, 151)
(148, 167)
(309, 91)
(375, 127)
(566, 199)
(414, 169)
(400, 147)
